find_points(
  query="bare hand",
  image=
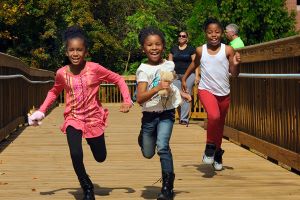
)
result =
(125, 107)
(186, 96)
(164, 84)
(236, 58)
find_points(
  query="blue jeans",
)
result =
(156, 131)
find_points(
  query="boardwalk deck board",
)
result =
(36, 165)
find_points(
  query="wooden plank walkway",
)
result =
(36, 165)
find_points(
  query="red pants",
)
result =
(216, 108)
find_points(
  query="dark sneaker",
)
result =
(209, 154)
(183, 122)
(218, 162)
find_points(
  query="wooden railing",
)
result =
(264, 113)
(21, 88)
(109, 93)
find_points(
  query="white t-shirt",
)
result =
(215, 72)
(151, 75)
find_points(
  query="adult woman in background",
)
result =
(182, 55)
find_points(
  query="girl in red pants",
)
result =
(217, 61)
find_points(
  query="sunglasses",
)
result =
(182, 36)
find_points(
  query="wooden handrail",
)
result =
(21, 88)
(265, 111)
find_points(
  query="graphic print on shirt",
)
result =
(77, 93)
(155, 82)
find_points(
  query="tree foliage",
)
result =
(32, 29)
(258, 20)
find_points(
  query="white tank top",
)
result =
(214, 72)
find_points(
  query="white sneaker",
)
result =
(218, 160)
(208, 159)
(209, 154)
(217, 166)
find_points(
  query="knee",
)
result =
(100, 158)
(148, 155)
(214, 118)
(164, 149)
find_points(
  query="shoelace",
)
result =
(159, 180)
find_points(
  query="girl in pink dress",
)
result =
(84, 115)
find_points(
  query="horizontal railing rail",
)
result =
(264, 113)
(21, 88)
(270, 76)
(24, 77)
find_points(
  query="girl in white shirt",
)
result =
(158, 111)
(216, 61)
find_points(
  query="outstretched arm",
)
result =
(52, 95)
(112, 77)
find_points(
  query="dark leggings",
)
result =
(97, 145)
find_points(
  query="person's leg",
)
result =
(164, 132)
(223, 107)
(211, 107)
(185, 107)
(98, 147)
(74, 138)
(210, 104)
(148, 134)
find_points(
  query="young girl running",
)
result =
(84, 115)
(216, 61)
(158, 112)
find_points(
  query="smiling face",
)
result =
(213, 34)
(76, 51)
(182, 38)
(153, 47)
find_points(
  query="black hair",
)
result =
(75, 32)
(145, 32)
(212, 21)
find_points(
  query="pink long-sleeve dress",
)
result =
(83, 108)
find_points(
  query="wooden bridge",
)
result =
(262, 138)
(36, 165)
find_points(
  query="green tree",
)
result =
(32, 30)
(168, 16)
(259, 21)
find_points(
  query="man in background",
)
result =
(231, 32)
